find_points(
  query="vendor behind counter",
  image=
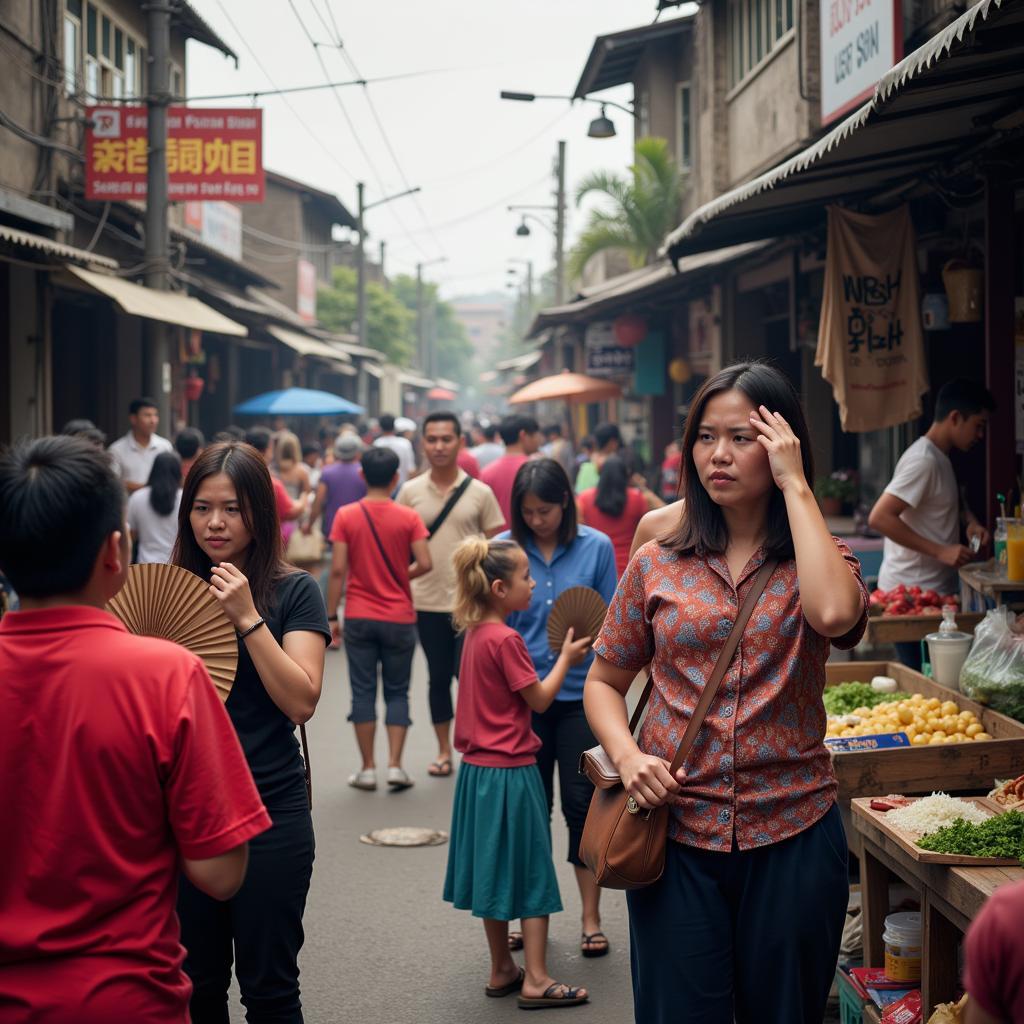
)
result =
(920, 512)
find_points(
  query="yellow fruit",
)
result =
(939, 734)
(973, 729)
(847, 732)
(863, 712)
(906, 716)
(936, 740)
(955, 738)
(982, 736)
(920, 740)
(911, 731)
(917, 697)
(949, 708)
(933, 703)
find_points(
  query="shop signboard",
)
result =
(218, 224)
(860, 41)
(306, 291)
(212, 154)
(605, 357)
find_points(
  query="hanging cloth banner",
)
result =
(870, 344)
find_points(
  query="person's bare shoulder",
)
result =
(656, 523)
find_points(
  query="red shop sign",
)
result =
(211, 154)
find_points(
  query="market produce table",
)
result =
(982, 586)
(895, 629)
(950, 898)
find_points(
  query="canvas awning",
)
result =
(951, 99)
(167, 307)
(414, 380)
(520, 362)
(40, 243)
(307, 346)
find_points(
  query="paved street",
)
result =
(381, 945)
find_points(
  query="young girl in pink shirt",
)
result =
(499, 859)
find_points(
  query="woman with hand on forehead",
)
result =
(754, 892)
(229, 534)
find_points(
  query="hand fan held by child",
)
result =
(582, 608)
(172, 603)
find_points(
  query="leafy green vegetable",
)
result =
(1004, 695)
(1001, 836)
(842, 698)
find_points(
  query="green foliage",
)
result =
(390, 326)
(644, 207)
(842, 698)
(454, 353)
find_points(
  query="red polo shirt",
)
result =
(116, 759)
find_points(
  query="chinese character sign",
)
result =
(212, 154)
(870, 344)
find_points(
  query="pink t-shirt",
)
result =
(499, 476)
(620, 530)
(372, 592)
(492, 722)
(468, 464)
(995, 955)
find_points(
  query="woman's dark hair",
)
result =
(85, 429)
(548, 481)
(611, 487)
(61, 500)
(164, 483)
(264, 561)
(702, 529)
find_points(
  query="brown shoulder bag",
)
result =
(624, 844)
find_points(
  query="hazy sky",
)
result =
(472, 153)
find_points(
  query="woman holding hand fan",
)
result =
(562, 554)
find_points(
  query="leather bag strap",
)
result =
(452, 501)
(380, 547)
(721, 666)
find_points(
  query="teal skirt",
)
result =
(499, 852)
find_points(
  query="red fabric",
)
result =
(995, 956)
(492, 722)
(283, 500)
(468, 464)
(759, 767)
(372, 592)
(116, 759)
(620, 529)
(499, 476)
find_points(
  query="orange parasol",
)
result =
(566, 386)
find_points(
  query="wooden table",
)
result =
(894, 629)
(981, 586)
(950, 898)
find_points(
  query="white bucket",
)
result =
(947, 652)
(902, 938)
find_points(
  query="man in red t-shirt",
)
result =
(374, 540)
(119, 766)
(995, 959)
(523, 439)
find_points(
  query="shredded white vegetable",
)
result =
(931, 813)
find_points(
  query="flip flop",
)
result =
(567, 996)
(515, 941)
(506, 990)
(589, 940)
(440, 769)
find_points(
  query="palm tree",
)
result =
(645, 207)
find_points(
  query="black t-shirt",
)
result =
(265, 731)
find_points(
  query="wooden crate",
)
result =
(895, 629)
(957, 768)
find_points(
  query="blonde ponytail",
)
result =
(478, 563)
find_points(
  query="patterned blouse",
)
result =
(759, 770)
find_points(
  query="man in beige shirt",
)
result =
(475, 512)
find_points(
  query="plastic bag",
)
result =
(993, 673)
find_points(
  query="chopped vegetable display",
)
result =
(843, 698)
(1001, 836)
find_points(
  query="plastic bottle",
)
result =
(999, 545)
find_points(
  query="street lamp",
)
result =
(600, 128)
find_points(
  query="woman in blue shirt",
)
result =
(562, 555)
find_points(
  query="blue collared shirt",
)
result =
(589, 561)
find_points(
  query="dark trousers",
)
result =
(909, 654)
(260, 928)
(564, 735)
(372, 642)
(749, 936)
(442, 647)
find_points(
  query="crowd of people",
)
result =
(130, 794)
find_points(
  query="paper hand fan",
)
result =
(175, 604)
(582, 608)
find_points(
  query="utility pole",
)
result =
(423, 354)
(361, 268)
(158, 33)
(560, 225)
(383, 275)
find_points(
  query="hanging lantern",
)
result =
(629, 329)
(193, 388)
(679, 370)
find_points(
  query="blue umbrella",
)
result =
(297, 402)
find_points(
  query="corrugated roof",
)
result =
(306, 345)
(196, 27)
(40, 243)
(928, 110)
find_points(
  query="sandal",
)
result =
(505, 990)
(440, 769)
(515, 941)
(554, 995)
(594, 945)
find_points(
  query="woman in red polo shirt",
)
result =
(746, 921)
